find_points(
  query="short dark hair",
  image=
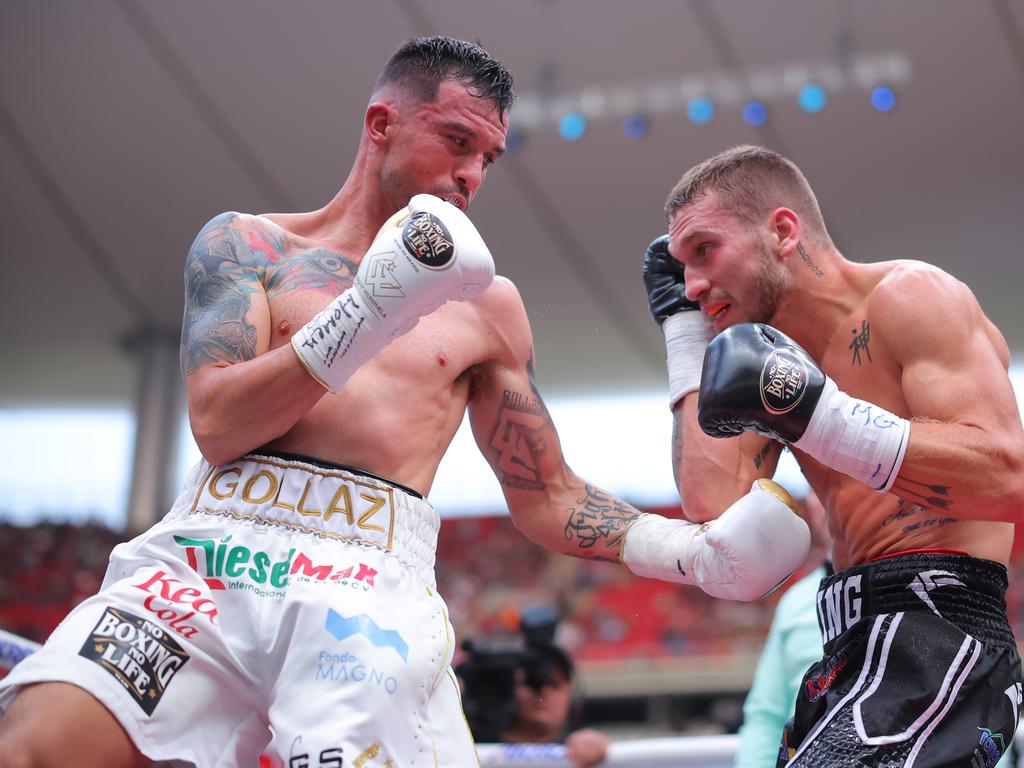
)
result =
(423, 63)
(752, 181)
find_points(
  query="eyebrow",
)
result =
(696, 234)
(452, 125)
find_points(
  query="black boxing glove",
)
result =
(758, 379)
(686, 329)
(664, 281)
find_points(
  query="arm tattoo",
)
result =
(599, 518)
(860, 342)
(217, 299)
(761, 455)
(519, 440)
(912, 488)
(677, 442)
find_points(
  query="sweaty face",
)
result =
(443, 147)
(730, 269)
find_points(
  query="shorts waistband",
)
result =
(332, 502)
(323, 464)
(966, 591)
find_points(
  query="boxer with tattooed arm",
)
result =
(285, 611)
(890, 386)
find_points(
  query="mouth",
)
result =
(716, 309)
(456, 200)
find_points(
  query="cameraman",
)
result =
(524, 695)
(543, 713)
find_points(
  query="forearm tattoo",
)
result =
(217, 299)
(677, 442)
(519, 440)
(761, 455)
(598, 521)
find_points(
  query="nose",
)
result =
(470, 175)
(695, 285)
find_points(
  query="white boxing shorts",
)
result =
(284, 613)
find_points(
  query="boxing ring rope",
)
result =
(13, 649)
(680, 751)
(671, 752)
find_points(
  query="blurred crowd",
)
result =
(487, 572)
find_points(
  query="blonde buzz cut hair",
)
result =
(752, 182)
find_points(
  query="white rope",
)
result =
(678, 752)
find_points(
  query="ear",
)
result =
(785, 230)
(380, 122)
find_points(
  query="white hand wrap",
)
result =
(426, 254)
(686, 338)
(856, 437)
(755, 545)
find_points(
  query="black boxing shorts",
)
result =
(920, 668)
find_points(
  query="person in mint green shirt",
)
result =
(793, 644)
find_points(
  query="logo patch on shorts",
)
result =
(139, 654)
(783, 382)
(429, 240)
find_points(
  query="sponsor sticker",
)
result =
(783, 382)
(140, 655)
(428, 239)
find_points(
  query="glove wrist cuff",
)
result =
(856, 437)
(338, 340)
(652, 548)
(686, 339)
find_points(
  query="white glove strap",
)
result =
(341, 338)
(856, 437)
(686, 338)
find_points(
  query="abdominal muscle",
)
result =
(866, 524)
(397, 414)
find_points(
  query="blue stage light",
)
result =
(883, 99)
(812, 98)
(634, 127)
(572, 126)
(700, 111)
(755, 113)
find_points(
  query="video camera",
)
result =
(489, 675)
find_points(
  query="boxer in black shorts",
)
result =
(920, 667)
(889, 385)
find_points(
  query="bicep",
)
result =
(514, 430)
(226, 318)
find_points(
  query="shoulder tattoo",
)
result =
(220, 278)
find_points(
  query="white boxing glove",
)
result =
(426, 254)
(755, 545)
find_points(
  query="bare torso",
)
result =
(866, 524)
(398, 413)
